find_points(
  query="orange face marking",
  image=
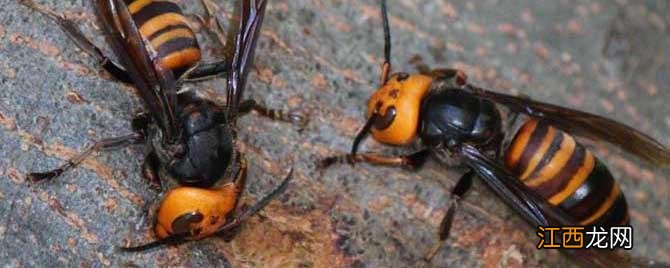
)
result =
(214, 204)
(404, 93)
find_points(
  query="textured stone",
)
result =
(606, 57)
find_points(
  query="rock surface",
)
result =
(606, 57)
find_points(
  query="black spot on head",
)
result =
(402, 77)
(182, 224)
(213, 219)
(394, 93)
(378, 106)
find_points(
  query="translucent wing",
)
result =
(251, 19)
(584, 124)
(155, 84)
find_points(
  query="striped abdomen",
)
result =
(554, 165)
(164, 26)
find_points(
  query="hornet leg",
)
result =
(453, 77)
(461, 187)
(411, 161)
(102, 145)
(259, 205)
(297, 119)
(207, 71)
(73, 32)
(150, 171)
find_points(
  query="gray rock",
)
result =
(322, 57)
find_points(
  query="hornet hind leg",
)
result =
(296, 119)
(102, 145)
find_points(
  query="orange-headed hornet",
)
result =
(544, 174)
(191, 138)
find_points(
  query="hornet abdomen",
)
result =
(164, 26)
(551, 163)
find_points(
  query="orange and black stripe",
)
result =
(162, 23)
(554, 165)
